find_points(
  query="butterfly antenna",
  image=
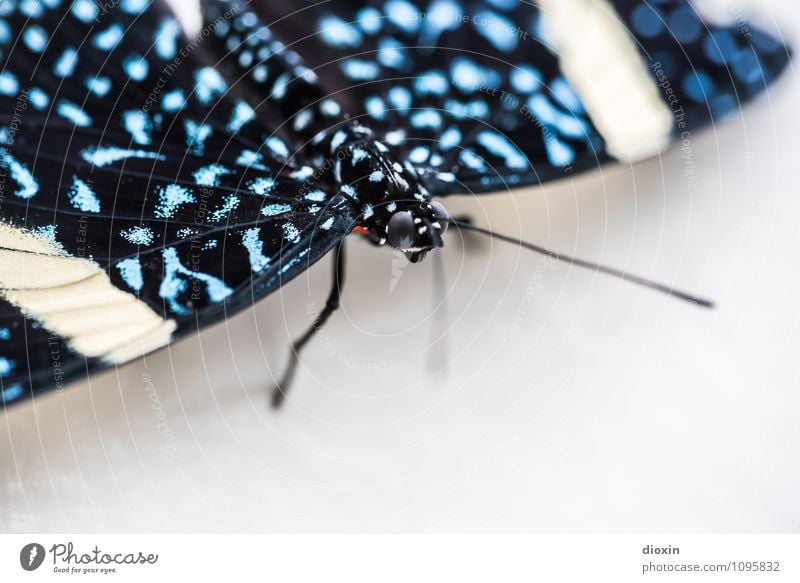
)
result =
(331, 304)
(635, 279)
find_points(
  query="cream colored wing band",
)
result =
(74, 298)
(598, 56)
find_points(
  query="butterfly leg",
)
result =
(439, 352)
(331, 305)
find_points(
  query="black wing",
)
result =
(141, 195)
(481, 95)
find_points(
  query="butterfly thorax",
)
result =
(394, 207)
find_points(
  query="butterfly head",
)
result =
(417, 229)
(397, 209)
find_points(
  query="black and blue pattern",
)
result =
(125, 152)
(200, 174)
(713, 70)
(471, 92)
(472, 105)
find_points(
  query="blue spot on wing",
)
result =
(469, 76)
(29, 186)
(277, 146)
(242, 114)
(73, 113)
(131, 272)
(11, 393)
(137, 123)
(65, 64)
(35, 38)
(173, 100)
(262, 185)
(82, 197)
(336, 32)
(6, 366)
(229, 204)
(196, 136)
(369, 20)
(392, 53)
(559, 153)
(176, 281)
(109, 155)
(138, 235)
(497, 29)
(360, 70)
(167, 38)
(271, 210)
(107, 39)
(210, 175)
(8, 83)
(400, 98)
(209, 84)
(171, 197)
(431, 83)
(100, 86)
(442, 15)
(134, 6)
(526, 79)
(38, 98)
(426, 118)
(255, 249)
(375, 107)
(85, 10)
(647, 20)
(251, 159)
(403, 14)
(136, 66)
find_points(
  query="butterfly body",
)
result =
(392, 205)
(147, 190)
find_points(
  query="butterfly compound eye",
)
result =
(441, 215)
(400, 230)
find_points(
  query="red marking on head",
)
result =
(360, 230)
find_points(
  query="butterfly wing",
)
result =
(141, 196)
(481, 95)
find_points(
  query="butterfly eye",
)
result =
(400, 230)
(441, 215)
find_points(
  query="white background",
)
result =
(571, 401)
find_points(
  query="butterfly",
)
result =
(152, 183)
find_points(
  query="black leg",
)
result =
(439, 353)
(332, 303)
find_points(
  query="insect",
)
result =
(152, 183)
